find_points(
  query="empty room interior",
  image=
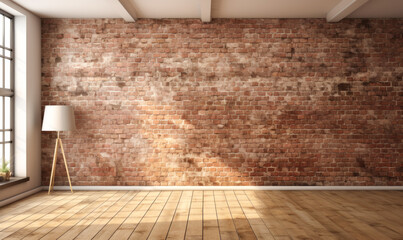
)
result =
(201, 119)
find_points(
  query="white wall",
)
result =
(27, 99)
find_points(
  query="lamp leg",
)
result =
(65, 163)
(52, 175)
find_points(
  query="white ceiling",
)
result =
(380, 9)
(219, 8)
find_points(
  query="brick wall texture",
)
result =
(232, 102)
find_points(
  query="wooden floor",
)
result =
(205, 215)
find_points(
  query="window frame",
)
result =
(7, 92)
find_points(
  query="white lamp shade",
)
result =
(58, 118)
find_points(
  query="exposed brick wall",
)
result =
(233, 102)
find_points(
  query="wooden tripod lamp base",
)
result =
(58, 118)
(52, 175)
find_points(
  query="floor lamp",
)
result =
(58, 118)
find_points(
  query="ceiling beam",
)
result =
(205, 10)
(343, 9)
(129, 11)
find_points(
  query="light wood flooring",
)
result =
(205, 215)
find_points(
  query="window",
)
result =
(6, 88)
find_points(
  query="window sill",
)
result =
(13, 181)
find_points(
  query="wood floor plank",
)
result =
(345, 213)
(194, 230)
(37, 223)
(87, 220)
(211, 229)
(225, 221)
(205, 215)
(108, 230)
(147, 223)
(163, 223)
(259, 227)
(389, 213)
(27, 218)
(264, 207)
(332, 213)
(395, 208)
(23, 205)
(309, 224)
(50, 201)
(241, 223)
(105, 217)
(370, 213)
(71, 220)
(69, 212)
(77, 218)
(288, 218)
(320, 212)
(393, 198)
(179, 222)
(127, 227)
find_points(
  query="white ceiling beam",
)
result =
(205, 10)
(128, 12)
(343, 9)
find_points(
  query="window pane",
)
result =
(8, 32)
(8, 136)
(1, 72)
(7, 112)
(1, 152)
(8, 153)
(7, 71)
(6, 81)
(1, 30)
(1, 113)
(7, 53)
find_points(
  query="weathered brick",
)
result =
(233, 102)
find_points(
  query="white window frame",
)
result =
(7, 53)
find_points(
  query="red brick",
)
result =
(234, 102)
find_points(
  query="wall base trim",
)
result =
(19, 196)
(282, 188)
(170, 188)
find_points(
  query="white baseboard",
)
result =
(170, 188)
(178, 188)
(20, 196)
